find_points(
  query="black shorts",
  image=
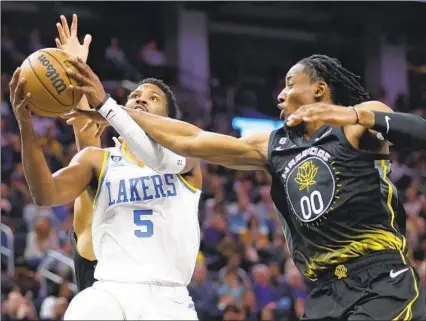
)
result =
(378, 286)
(84, 269)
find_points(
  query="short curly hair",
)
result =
(172, 106)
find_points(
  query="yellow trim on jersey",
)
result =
(129, 158)
(407, 309)
(101, 177)
(187, 184)
(389, 204)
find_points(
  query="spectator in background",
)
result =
(233, 267)
(52, 148)
(116, 56)
(232, 286)
(233, 313)
(298, 288)
(249, 306)
(263, 290)
(10, 55)
(414, 202)
(152, 61)
(151, 55)
(18, 307)
(5, 110)
(203, 293)
(35, 43)
(41, 239)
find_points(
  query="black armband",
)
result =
(401, 129)
(99, 106)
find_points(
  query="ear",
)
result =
(321, 90)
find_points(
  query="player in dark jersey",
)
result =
(330, 185)
(84, 268)
(80, 234)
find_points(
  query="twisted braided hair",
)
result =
(345, 87)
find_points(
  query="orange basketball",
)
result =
(47, 81)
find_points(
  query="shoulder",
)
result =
(258, 141)
(92, 156)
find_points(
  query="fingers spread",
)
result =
(70, 115)
(77, 76)
(65, 26)
(25, 101)
(61, 33)
(100, 130)
(15, 77)
(89, 124)
(83, 90)
(87, 41)
(19, 90)
(80, 65)
(58, 43)
(74, 25)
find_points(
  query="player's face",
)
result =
(149, 98)
(299, 90)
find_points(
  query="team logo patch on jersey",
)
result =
(116, 158)
(310, 188)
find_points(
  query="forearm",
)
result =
(154, 155)
(170, 133)
(36, 170)
(190, 141)
(401, 129)
(87, 137)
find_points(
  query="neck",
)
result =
(311, 128)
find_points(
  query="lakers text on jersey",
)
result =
(145, 225)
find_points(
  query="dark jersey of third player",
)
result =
(84, 269)
(336, 203)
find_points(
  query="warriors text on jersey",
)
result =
(145, 225)
(335, 203)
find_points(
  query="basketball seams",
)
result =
(47, 110)
(60, 63)
(39, 79)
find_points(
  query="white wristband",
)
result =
(155, 156)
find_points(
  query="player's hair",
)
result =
(345, 87)
(172, 106)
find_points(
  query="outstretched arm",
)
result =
(68, 41)
(190, 141)
(184, 139)
(180, 137)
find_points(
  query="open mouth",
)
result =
(140, 107)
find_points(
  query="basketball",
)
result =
(47, 81)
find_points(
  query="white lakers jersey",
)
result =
(145, 225)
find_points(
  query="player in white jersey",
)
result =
(145, 225)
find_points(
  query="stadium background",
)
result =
(223, 60)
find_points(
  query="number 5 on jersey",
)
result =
(139, 221)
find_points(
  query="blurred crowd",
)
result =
(243, 271)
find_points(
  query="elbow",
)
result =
(42, 201)
(187, 149)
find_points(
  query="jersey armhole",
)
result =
(101, 177)
(271, 140)
(340, 133)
